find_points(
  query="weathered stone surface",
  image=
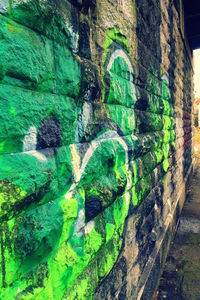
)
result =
(95, 146)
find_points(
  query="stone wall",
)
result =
(95, 146)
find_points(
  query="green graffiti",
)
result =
(168, 128)
(60, 213)
(64, 202)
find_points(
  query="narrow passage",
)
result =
(181, 277)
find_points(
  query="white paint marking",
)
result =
(30, 139)
(84, 120)
(75, 160)
(37, 155)
(120, 53)
(80, 222)
(106, 136)
(74, 36)
(165, 77)
(29, 144)
(89, 227)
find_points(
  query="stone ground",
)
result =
(181, 277)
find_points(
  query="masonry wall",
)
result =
(95, 146)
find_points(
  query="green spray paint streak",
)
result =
(112, 35)
(53, 252)
(49, 249)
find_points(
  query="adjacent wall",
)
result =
(95, 146)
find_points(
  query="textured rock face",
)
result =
(95, 145)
